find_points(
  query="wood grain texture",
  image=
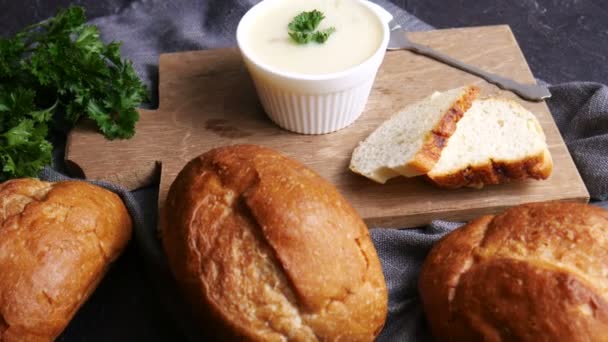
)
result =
(207, 100)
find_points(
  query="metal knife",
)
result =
(532, 92)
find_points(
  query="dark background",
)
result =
(563, 40)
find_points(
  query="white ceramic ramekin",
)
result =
(313, 104)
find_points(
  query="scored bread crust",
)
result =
(534, 273)
(538, 166)
(267, 250)
(57, 241)
(430, 152)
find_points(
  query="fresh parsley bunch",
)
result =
(302, 28)
(52, 73)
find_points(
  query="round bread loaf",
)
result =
(266, 250)
(56, 242)
(537, 272)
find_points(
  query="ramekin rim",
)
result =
(381, 50)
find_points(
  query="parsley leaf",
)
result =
(53, 73)
(321, 36)
(306, 21)
(24, 149)
(302, 28)
(301, 37)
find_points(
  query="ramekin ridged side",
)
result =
(313, 113)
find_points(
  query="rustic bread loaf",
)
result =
(410, 142)
(56, 243)
(497, 141)
(537, 272)
(267, 250)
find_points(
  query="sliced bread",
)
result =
(497, 141)
(410, 142)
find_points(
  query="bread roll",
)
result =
(266, 250)
(537, 272)
(56, 242)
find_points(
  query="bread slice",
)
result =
(410, 142)
(497, 141)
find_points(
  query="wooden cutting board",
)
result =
(207, 100)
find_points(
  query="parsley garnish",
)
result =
(321, 36)
(302, 28)
(51, 74)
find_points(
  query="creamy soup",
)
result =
(358, 35)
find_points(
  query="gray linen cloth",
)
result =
(149, 28)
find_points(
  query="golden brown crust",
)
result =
(265, 249)
(430, 152)
(56, 243)
(534, 273)
(498, 172)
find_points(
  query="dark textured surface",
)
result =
(562, 40)
(15, 14)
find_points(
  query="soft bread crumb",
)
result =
(399, 145)
(497, 140)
